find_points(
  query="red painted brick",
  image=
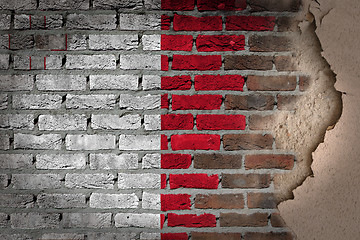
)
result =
(195, 142)
(164, 63)
(219, 82)
(250, 23)
(175, 202)
(196, 180)
(165, 22)
(176, 83)
(198, 102)
(191, 220)
(175, 161)
(220, 122)
(190, 23)
(174, 236)
(196, 62)
(164, 142)
(163, 181)
(164, 101)
(162, 220)
(177, 122)
(176, 42)
(177, 5)
(212, 5)
(268, 161)
(212, 43)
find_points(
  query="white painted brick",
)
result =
(3, 181)
(115, 4)
(64, 122)
(140, 61)
(3, 101)
(60, 82)
(151, 42)
(15, 200)
(111, 236)
(151, 82)
(90, 101)
(5, 20)
(61, 161)
(17, 121)
(150, 236)
(152, 122)
(4, 59)
(62, 236)
(15, 237)
(141, 180)
(76, 42)
(43, 141)
(151, 160)
(3, 220)
(90, 62)
(151, 201)
(114, 82)
(146, 102)
(113, 42)
(107, 201)
(33, 220)
(87, 220)
(139, 142)
(35, 101)
(61, 201)
(13, 161)
(89, 142)
(23, 62)
(153, 4)
(36, 181)
(111, 161)
(64, 5)
(16, 82)
(140, 22)
(4, 141)
(91, 21)
(142, 220)
(106, 121)
(90, 181)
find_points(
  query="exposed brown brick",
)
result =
(262, 200)
(217, 161)
(243, 220)
(285, 63)
(247, 141)
(276, 220)
(271, 83)
(269, 43)
(268, 236)
(245, 180)
(249, 102)
(287, 24)
(215, 236)
(259, 122)
(217, 201)
(250, 62)
(269, 161)
(274, 5)
(304, 83)
(287, 102)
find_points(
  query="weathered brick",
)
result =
(191, 220)
(113, 236)
(16, 121)
(274, 6)
(139, 142)
(304, 83)
(146, 102)
(91, 21)
(89, 142)
(219, 201)
(288, 102)
(140, 61)
(5, 20)
(4, 182)
(60, 201)
(215, 236)
(153, 4)
(50, 42)
(18, 42)
(3, 101)
(285, 63)
(107, 121)
(196, 62)
(141, 180)
(4, 141)
(151, 82)
(114, 4)
(198, 102)
(3, 220)
(250, 23)
(62, 236)
(287, 24)
(217, 161)
(277, 221)
(152, 236)
(233, 142)
(151, 160)
(269, 43)
(100, 62)
(15, 200)
(86, 220)
(152, 122)
(243, 220)
(111, 82)
(268, 236)
(152, 42)
(213, 43)
(259, 122)
(107, 201)
(36, 181)
(18, 5)
(89, 181)
(4, 60)
(94, 101)
(248, 62)
(60, 161)
(212, 5)
(140, 22)
(262, 200)
(142, 220)
(190, 23)
(13, 161)
(33, 220)
(22, 21)
(269, 161)
(151, 201)
(25, 62)
(43, 141)
(111, 161)
(60, 82)
(64, 122)
(64, 5)
(113, 42)
(76, 42)
(245, 180)
(271, 83)
(16, 82)
(15, 237)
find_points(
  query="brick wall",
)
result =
(144, 119)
